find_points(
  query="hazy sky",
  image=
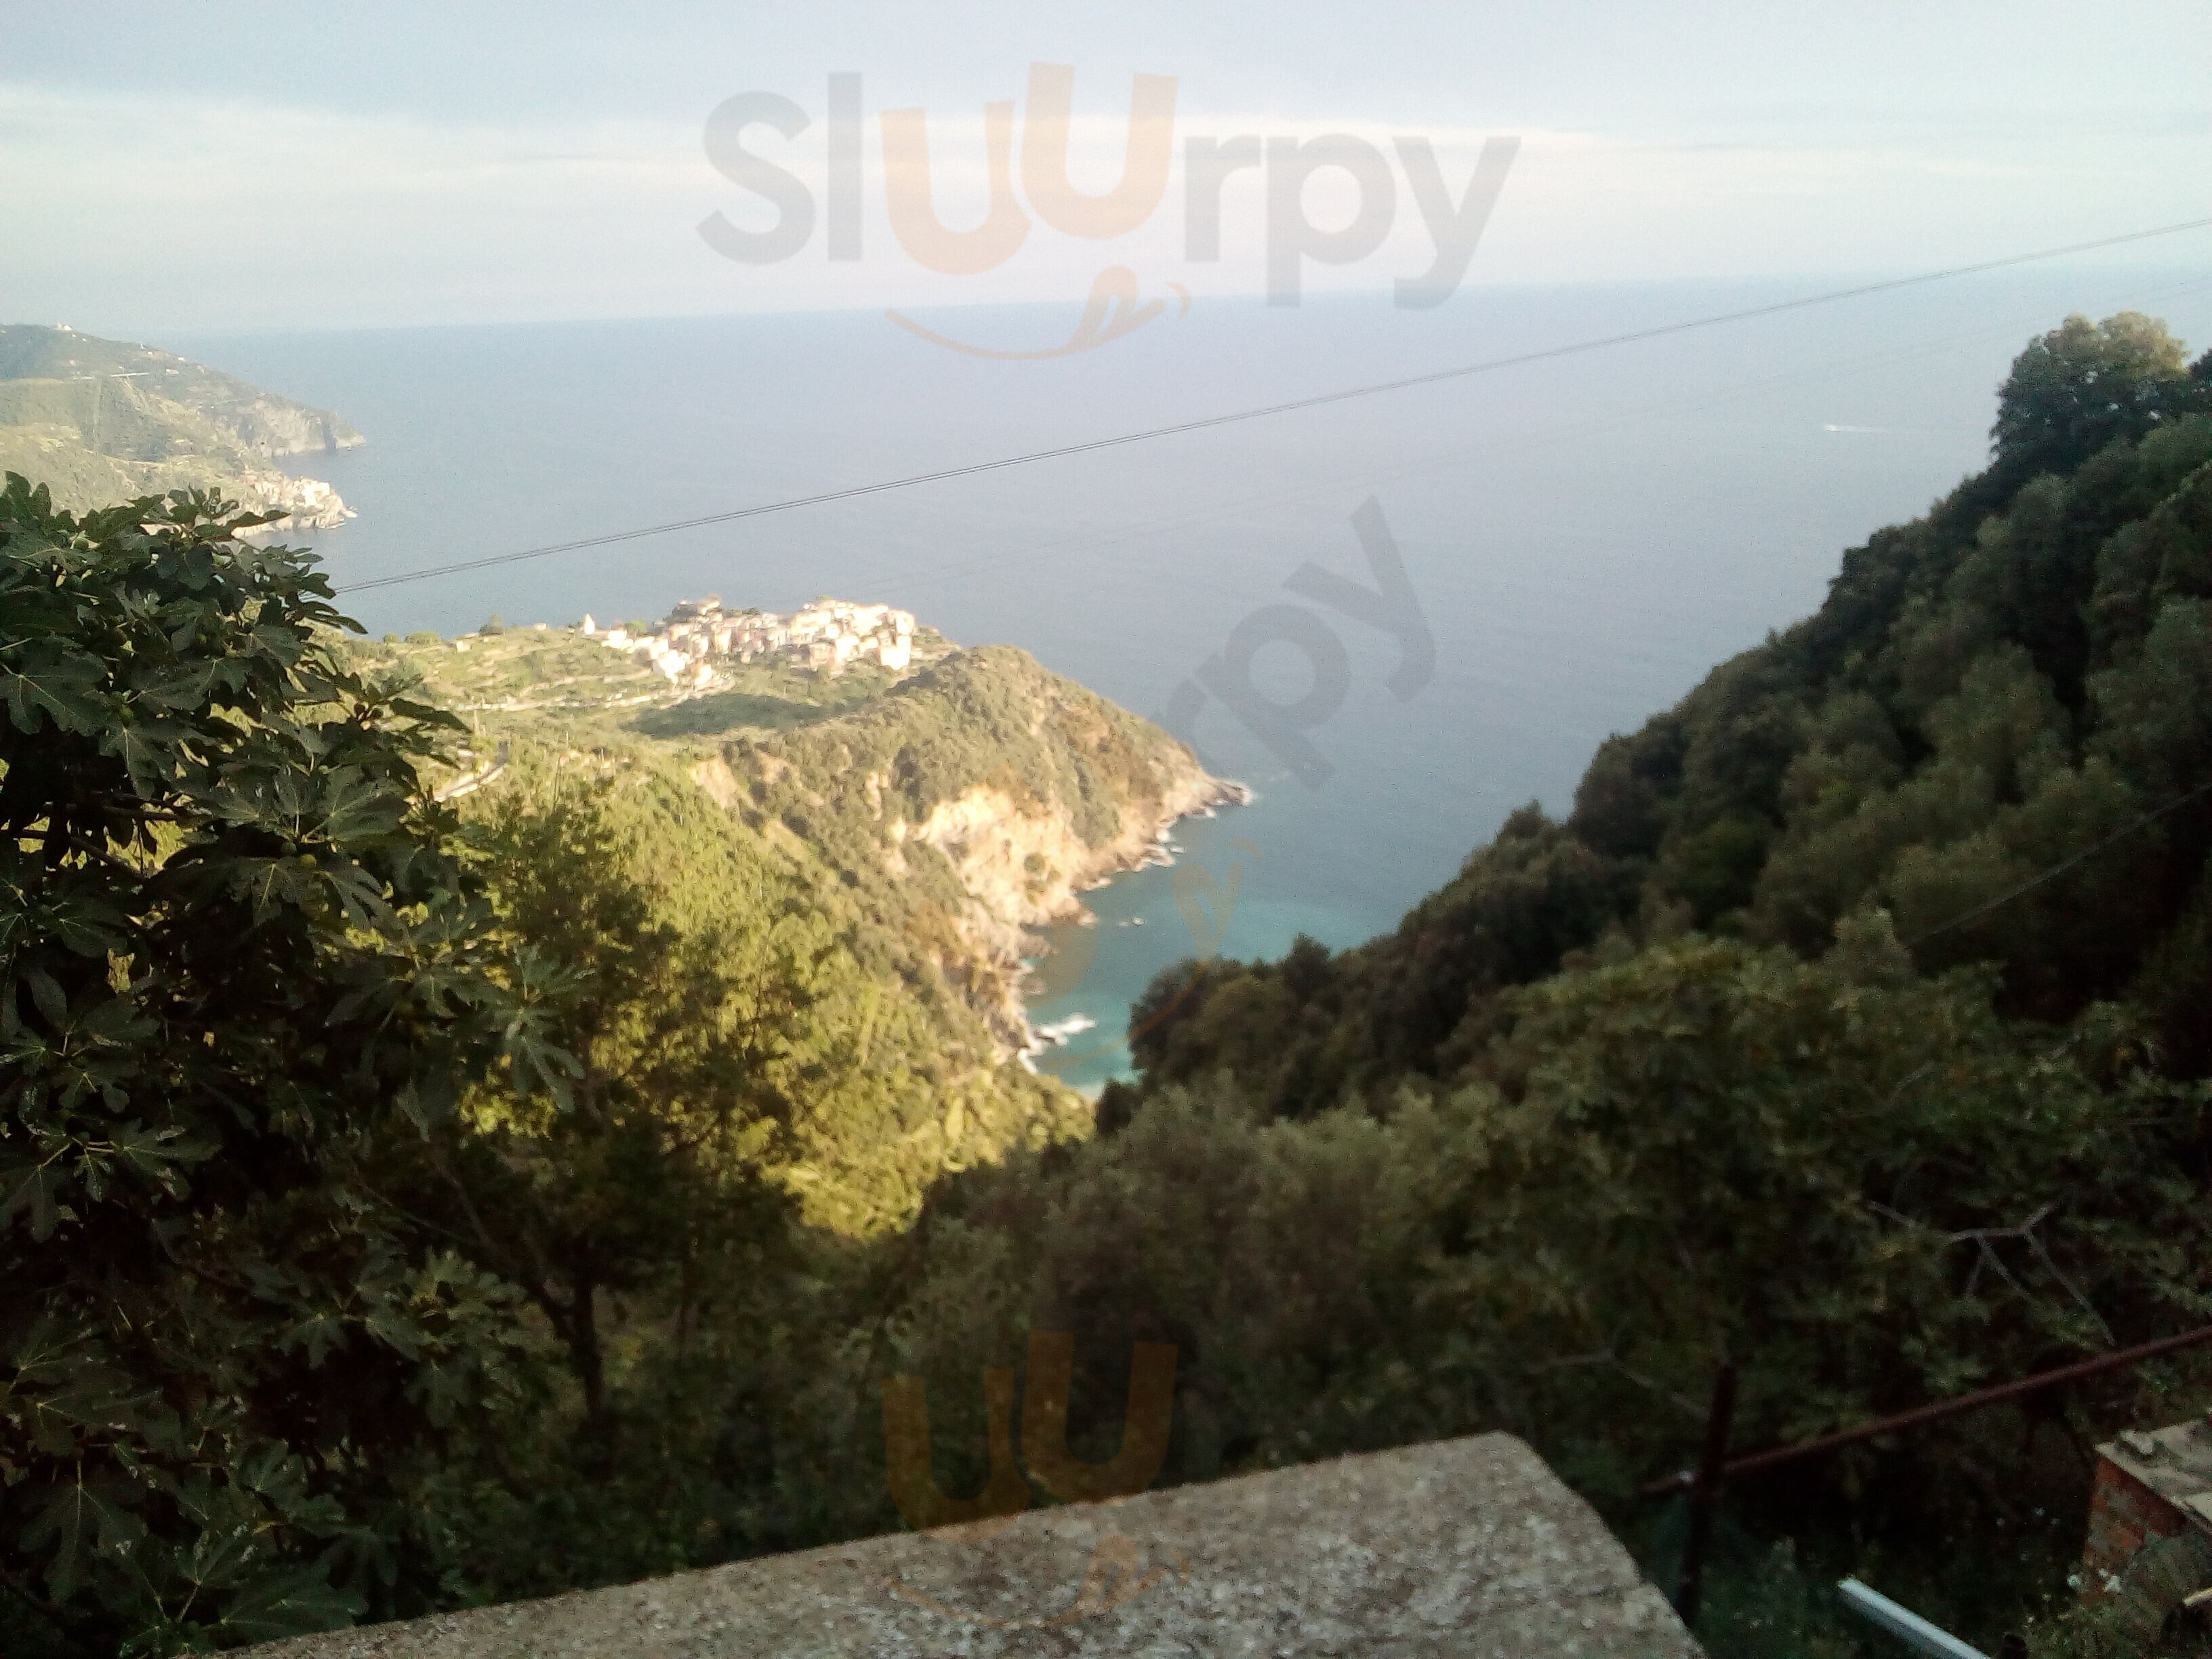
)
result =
(215, 165)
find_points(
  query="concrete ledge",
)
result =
(1465, 1549)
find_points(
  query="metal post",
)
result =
(1704, 1493)
(1921, 1416)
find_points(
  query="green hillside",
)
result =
(880, 1080)
(812, 793)
(1988, 692)
(477, 1120)
(99, 421)
(263, 424)
(969, 805)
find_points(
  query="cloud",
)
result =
(238, 208)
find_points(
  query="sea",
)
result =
(1630, 484)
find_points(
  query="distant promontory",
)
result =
(99, 421)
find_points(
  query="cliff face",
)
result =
(307, 503)
(972, 805)
(101, 420)
(929, 822)
(1022, 868)
(273, 426)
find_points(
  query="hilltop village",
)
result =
(823, 635)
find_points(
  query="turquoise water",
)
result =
(1584, 537)
(1151, 919)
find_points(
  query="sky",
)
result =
(226, 165)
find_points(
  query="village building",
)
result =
(824, 636)
(2152, 1487)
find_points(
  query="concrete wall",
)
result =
(1466, 1549)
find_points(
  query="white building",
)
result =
(824, 635)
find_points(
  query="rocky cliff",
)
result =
(101, 420)
(973, 804)
(931, 821)
(1022, 863)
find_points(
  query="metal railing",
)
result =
(1714, 1468)
(1906, 1624)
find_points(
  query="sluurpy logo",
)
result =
(1114, 1575)
(1390, 606)
(1205, 902)
(1286, 165)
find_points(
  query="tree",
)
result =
(237, 964)
(1863, 1184)
(2084, 384)
(733, 1065)
(681, 1035)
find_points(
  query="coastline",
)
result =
(1158, 851)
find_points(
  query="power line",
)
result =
(1730, 393)
(2061, 867)
(1318, 400)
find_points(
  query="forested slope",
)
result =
(902, 834)
(411, 1207)
(99, 421)
(966, 808)
(1987, 693)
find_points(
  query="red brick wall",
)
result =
(2125, 1514)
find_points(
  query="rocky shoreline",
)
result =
(976, 799)
(1158, 852)
(1024, 874)
(100, 421)
(307, 503)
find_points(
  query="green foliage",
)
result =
(719, 996)
(1303, 1034)
(238, 963)
(100, 420)
(742, 1077)
(1660, 1084)
(1774, 1050)
(1985, 694)
(990, 717)
(1960, 1200)
(875, 794)
(1568, 1243)
(2085, 384)
(907, 1026)
(682, 1039)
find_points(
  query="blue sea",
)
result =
(1584, 536)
